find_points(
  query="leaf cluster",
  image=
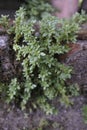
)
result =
(38, 8)
(44, 76)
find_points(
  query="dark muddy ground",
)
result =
(70, 118)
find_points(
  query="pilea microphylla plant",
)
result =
(36, 42)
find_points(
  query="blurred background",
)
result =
(9, 7)
(66, 8)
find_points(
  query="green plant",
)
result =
(44, 76)
(13, 88)
(38, 8)
(3, 91)
(38, 45)
(6, 24)
(84, 111)
(73, 90)
(4, 21)
(43, 123)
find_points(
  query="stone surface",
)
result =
(6, 66)
(78, 60)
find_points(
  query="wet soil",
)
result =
(68, 118)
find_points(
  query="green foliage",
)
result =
(38, 8)
(6, 24)
(80, 18)
(44, 76)
(3, 91)
(13, 88)
(36, 43)
(41, 70)
(73, 90)
(4, 21)
(84, 110)
(43, 123)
